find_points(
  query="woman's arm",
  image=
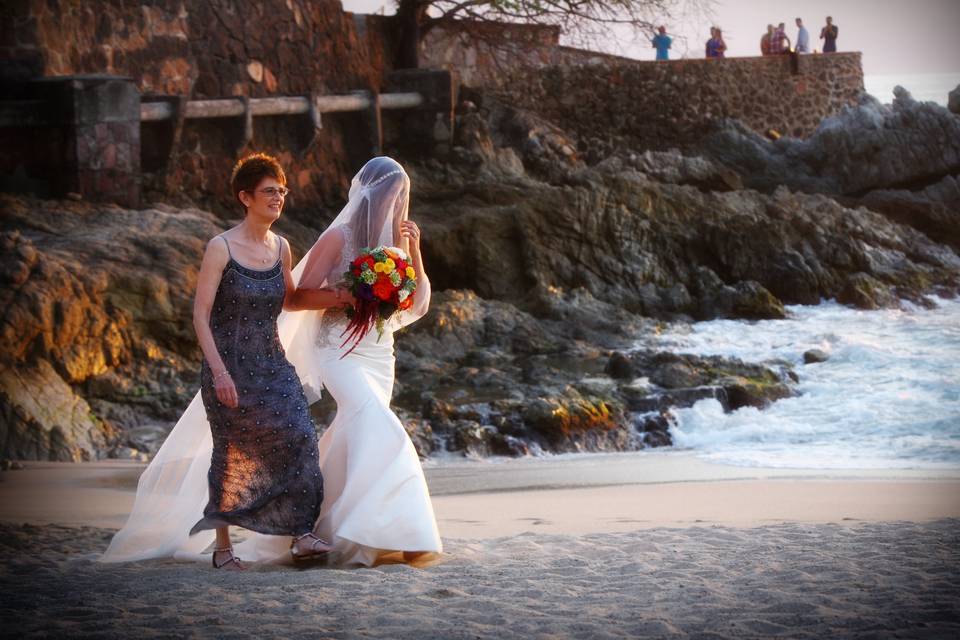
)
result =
(290, 287)
(314, 290)
(214, 260)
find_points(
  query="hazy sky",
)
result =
(895, 36)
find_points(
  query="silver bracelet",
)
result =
(221, 374)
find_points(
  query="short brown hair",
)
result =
(249, 171)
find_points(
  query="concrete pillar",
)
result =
(430, 126)
(98, 120)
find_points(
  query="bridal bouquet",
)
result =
(382, 281)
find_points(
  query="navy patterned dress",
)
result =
(264, 475)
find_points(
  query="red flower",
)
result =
(383, 289)
(406, 304)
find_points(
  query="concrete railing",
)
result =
(293, 105)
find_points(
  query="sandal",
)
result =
(313, 552)
(231, 560)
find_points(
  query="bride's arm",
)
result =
(310, 292)
(410, 232)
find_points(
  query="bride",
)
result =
(376, 499)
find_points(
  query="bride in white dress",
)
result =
(375, 497)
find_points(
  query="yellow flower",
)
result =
(389, 266)
(378, 267)
(411, 273)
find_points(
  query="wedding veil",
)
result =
(172, 491)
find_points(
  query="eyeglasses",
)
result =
(275, 191)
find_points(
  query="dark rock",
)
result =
(678, 374)
(507, 445)
(560, 417)
(41, 418)
(674, 168)
(870, 146)
(473, 439)
(619, 366)
(753, 392)
(933, 210)
(674, 398)
(953, 100)
(421, 434)
(655, 428)
(866, 292)
(815, 355)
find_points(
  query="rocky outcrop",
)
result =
(953, 100)
(96, 337)
(549, 273)
(490, 379)
(907, 144)
(901, 160)
(934, 210)
(667, 250)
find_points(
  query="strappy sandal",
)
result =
(312, 553)
(231, 560)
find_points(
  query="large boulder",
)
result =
(96, 334)
(42, 418)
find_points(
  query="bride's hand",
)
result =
(410, 230)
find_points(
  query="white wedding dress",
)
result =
(376, 499)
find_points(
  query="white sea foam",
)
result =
(888, 397)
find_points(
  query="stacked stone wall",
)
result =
(210, 49)
(645, 103)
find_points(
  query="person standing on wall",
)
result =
(829, 36)
(781, 42)
(766, 41)
(715, 45)
(661, 42)
(803, 38)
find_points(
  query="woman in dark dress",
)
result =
(264, 474)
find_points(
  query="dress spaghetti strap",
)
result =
(224, 238)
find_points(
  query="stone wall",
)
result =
(649, 104)
(206, 49)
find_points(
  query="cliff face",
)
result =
(97, 336)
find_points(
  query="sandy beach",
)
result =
(630, 545)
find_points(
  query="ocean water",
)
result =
(925, 87)
(888, 397)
